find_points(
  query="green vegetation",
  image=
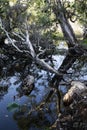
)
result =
(12, 106)
(41, 18)
(32, 27)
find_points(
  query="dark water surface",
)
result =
(19, 118)
(38, 94)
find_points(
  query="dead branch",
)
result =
(77, 90)
(12, 42)
(41, 51)
(30, 47)
(18, 35)
(30, 51)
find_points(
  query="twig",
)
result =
(31, 51)
(18, 35)
(12, 42)
(41, 53)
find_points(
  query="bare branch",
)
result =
(46, 66)
(18, 35)
(30, 45)
(30, 51)
(21, 33)
(41, 52)
(12, 42)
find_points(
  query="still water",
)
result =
(18, 118)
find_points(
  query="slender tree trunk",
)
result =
(71, 40)
(67, 30)
(74, 49)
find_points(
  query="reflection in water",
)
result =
(40, 118)
(27, 104)
(5, 117)
(33, 114)
(4, 84)
(78, 70)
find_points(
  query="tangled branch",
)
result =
(30, 50)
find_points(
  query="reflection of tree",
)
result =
(19, 40)
(3, 88)
(27, 86)
(3, 91)
(38, 118)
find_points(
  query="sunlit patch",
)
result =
(11, 3)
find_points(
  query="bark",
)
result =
(47, 67)
(76, 91)
(67, 63)
(30, 50)
(74, 51)
(71, 41)
(67, 30)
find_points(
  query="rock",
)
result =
(76, 91)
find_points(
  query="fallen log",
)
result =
(77, 91)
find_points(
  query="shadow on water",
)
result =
(30, 112)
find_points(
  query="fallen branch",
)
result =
(76, 91)
(12, 42)
(30, 51)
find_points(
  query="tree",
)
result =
(40, 18)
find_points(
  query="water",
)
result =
(37, 95)
(6, 117)
(19, 119)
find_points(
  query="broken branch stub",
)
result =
(77, 90)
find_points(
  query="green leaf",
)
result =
(12, 106)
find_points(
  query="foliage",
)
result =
(4, 5)
(41, 19)
(38, 18)
(12, 106)
(85, 41)
(76, 10)
(82, 10)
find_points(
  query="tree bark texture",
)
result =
(67, 30)
(76, 91)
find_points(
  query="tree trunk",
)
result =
(77, 91)
(67, 30)
(71, 40)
